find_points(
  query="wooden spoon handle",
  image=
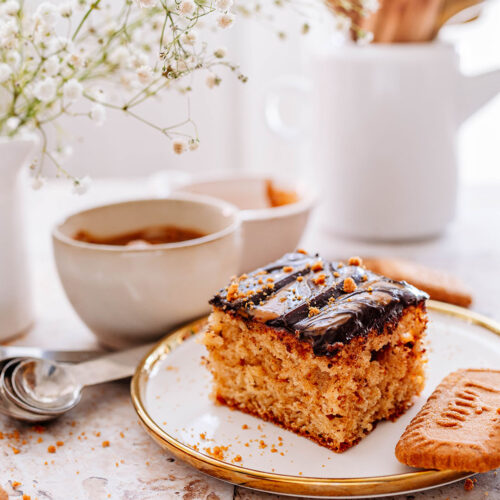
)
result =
(452, 8)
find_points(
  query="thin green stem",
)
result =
(84, 18)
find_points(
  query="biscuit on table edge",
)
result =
(458, 428)
(438, 284)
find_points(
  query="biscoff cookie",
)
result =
(438, 284)
(458, 428)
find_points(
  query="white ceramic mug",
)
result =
(383, 132)
(129, 295)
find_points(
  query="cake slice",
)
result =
(321, 348)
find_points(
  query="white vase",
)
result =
(16, 304)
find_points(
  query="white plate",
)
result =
(171, 394)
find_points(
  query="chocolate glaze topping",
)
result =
(317, 301)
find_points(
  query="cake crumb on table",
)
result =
(51, 449)
(468, 485)
(105, 444)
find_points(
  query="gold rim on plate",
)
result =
(279, 483)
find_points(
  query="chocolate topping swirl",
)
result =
(317, 301)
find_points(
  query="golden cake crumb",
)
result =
(336, 274)
(313, 311)
(349, 285)
(468, 485)
(237, 458)
(355, 261)
(232, 292)
(317, 266)
(301, 250)
(51, 449)
(217, 452)
(320, 279)
(105, 444)
(288, 269)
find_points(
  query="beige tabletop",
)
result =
(99, 450)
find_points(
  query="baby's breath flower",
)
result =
(225, 20)
(212, 80)
(146, 3)
(364, 37)
(66, 9)
(342, 23)
(52, 66)
(76, 60)
(179, 146)
(98, 114)
(12, 123)
(187, 7)
(38, 182)
(62, 153)
(145, 75)
(223, 4)
(81, 186)
(60, 51)
(72, 90)
(11, 7)
(190, 37)
(220, 53)
(47, 13)
(8, 33)
(13, 58)
(370, 5)
(119, 56)
(45, 90)
(5, 72)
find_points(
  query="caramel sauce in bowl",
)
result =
(134, 270)
(153, 235)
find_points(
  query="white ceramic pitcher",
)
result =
(16, 305)
(383, 132)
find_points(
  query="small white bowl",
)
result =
(129, 295)
(268, 232)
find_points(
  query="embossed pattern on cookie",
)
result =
(458, 428)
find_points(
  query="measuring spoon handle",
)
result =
(109, 367)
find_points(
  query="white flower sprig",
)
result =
(81, 57)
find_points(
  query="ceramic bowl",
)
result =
(129, 295)
(268, 232)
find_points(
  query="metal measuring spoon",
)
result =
(54, 388)
(10, 408)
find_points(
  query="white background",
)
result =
(231, 121)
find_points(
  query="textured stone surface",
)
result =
(133, 466)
